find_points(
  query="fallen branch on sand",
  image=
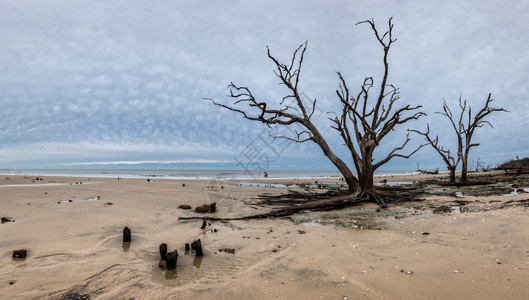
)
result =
(332, 203)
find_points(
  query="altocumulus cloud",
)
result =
(124, 81)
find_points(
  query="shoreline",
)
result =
(201, 174)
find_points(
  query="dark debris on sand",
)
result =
(73, 295)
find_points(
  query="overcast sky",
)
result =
(85, 82)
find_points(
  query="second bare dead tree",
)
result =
(464, 128)
(449, 159)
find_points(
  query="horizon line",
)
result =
(140, 162)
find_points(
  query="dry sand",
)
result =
(75, 248)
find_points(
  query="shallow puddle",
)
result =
(187, 270)
(395, 183)
(515, 191)
(117, 242)
(258, 184)
(191, 268)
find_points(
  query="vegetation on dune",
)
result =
(515, 164)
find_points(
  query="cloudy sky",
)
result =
(114, 82)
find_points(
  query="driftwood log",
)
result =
(298, 202)
(327, 204)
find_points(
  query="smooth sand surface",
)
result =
(75, 248)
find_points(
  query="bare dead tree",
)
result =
(292, 110)
(450, 161)
(464, 129)
(363, 126)
(481, 166)
(468, 129)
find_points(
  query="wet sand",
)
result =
(75, 248)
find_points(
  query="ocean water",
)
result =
(189, 174)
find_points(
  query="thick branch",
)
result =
(445, 154)
(394, 153)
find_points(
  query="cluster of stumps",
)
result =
(170, 258)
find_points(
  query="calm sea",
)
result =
(186, 174)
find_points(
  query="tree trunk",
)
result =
(349, 177)
(464, 166)
(368, 186)
(368, 172)
(452, 175)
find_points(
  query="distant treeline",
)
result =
(515, 164)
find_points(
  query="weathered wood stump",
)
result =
(5, 220)
(20, 253)
(127, 236)
(203, 224)
(172, 257)
(197, 246)
(203, 209)
(163, 251)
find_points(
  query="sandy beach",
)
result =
(72, 229)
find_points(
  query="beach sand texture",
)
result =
(75, 248)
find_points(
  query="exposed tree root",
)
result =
(296, 197)
(383, 196)
(390, 195)
(374, 197)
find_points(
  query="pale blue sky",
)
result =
(123, 81)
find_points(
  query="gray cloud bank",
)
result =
(104, 81)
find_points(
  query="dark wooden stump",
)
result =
(203, 209)
(203, 224)
(172, 257)
(163, 251)
(213, 207)
(197, 246)
(20, 253)
(127, 236)
(187, 247)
